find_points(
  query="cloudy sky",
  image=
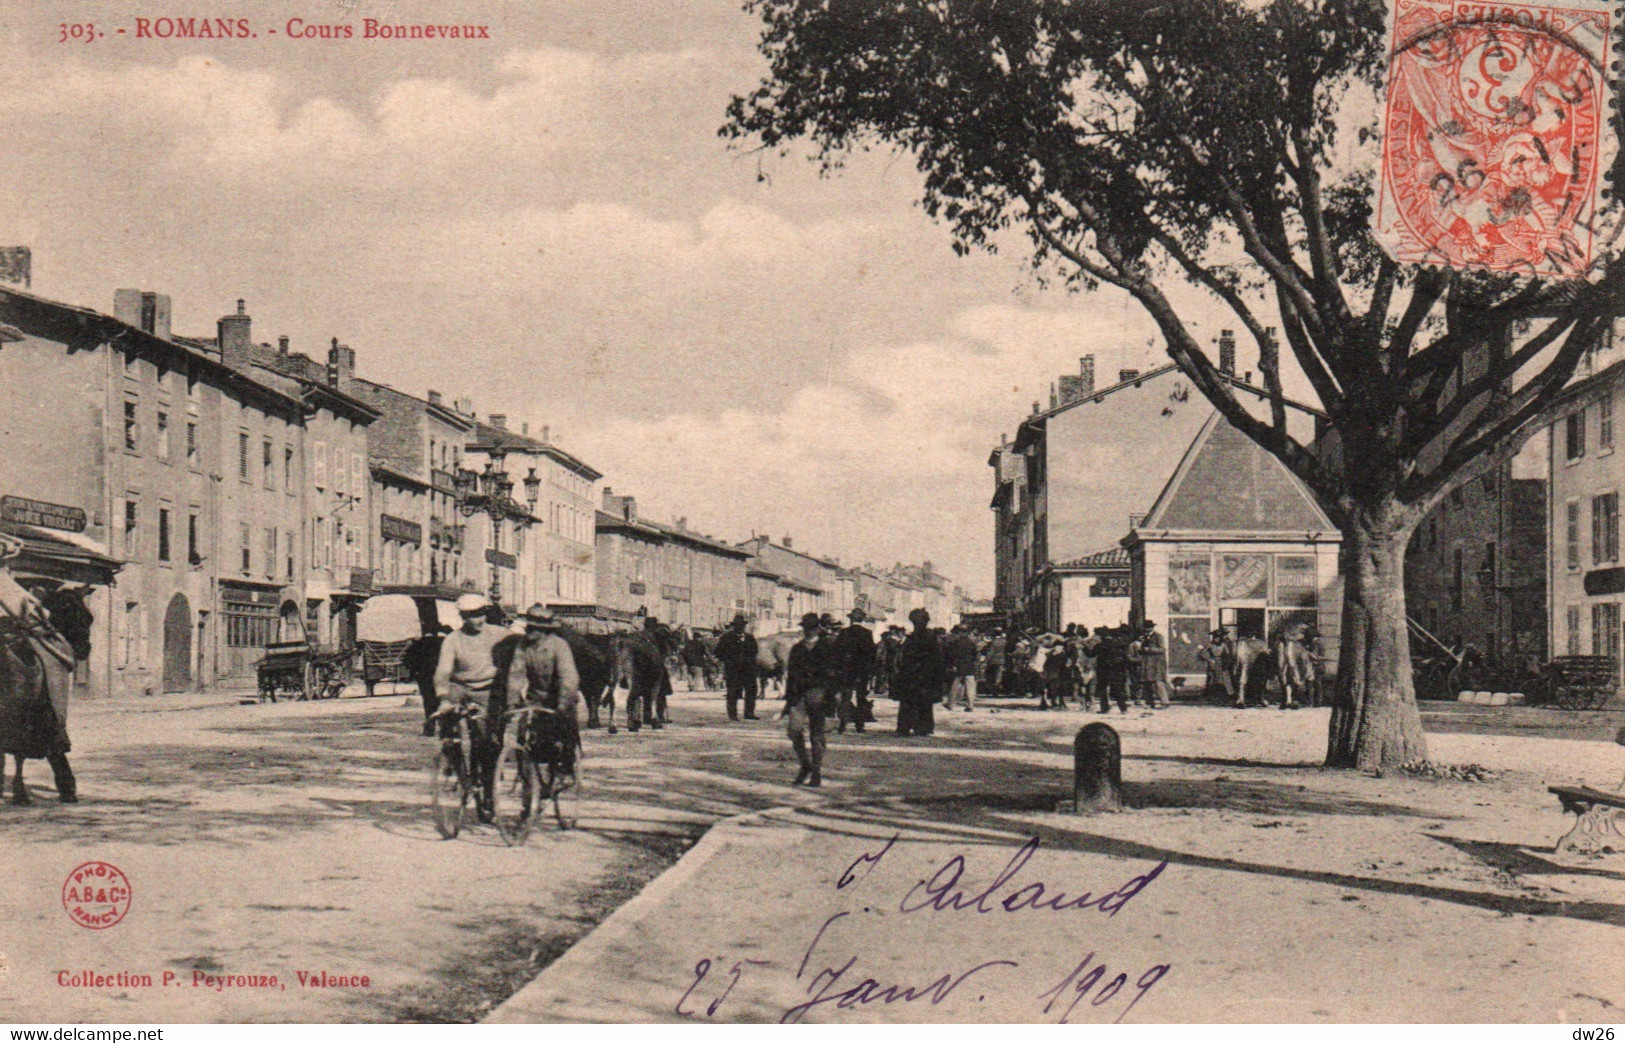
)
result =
(547, 222)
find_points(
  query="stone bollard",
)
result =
(1097, 769)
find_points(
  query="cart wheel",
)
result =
(448, 789)
(513, 799)
(1569, 697)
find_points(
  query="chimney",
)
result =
(143, 310)
(282, 345)
(1126, 375)
(546, 431)
(1054, 400)
(340, 366)
(499, 421)
(233, 333)
(435, 398)
(789, 544)
(524, 428)
(465, 406)
(1071, 389)
(1086, 375)
(609, 497)
(17, 266)
(1036, 410)
(1247, 377)
(1227, 353)
(629, 507)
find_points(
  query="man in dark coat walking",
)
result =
(855, 647)
(737, 649)
(922, 674)
(810, 677)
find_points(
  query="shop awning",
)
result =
(69, 557)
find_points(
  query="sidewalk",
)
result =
(1288, 894)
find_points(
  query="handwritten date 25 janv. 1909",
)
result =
(837, 986)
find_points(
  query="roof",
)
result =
(439, 411)
(1110, 558)
(703, 542)
(1024, 434)
(788, 550)
(399, 477)
(603, 521)
(1229, 483)
(20, 307)
(487, 437)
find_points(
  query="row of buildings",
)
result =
(194, 499)
(1136, 500)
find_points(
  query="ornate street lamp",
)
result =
(533, 489)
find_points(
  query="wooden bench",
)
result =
(1601, 824)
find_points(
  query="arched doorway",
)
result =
(293, 627)
(178, 645)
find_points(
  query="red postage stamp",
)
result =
(1496, 139)
(96, 895)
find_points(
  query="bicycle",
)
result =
(529, 771)
(451, 776)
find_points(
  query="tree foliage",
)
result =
(1136, 141)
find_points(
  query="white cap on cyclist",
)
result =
(469, 604)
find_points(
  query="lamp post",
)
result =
(491, 491)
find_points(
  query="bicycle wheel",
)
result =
(513, 796)
(566, 792)
(448, 789)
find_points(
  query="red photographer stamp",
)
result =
(96, 895)
(1496, 138)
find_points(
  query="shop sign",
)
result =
(400, 530)
(500, 558)
(20, 510)
(1111, 587)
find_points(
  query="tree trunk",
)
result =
(1375, 721)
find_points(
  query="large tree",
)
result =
(1231, 145)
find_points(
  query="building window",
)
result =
(1573, 621)
(163, 534)
(194, 549)
(1605, 423)
(1455, 580)
(1489, 572)
(270, 552)
(247, 547)
(268, 464)
(1573, 534)
(338, 469)
(250, 626)
(287, 468)
(132, 533)
(132, 427)
(1575, 440)
(191, 380)
(1605, 629)
(134, 623)
(320, 458)
(290, 545)
(358, 476)
(162, 427)
(1604, 528)
(242, 455)
(191, 441)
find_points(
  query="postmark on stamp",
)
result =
(96, 895)
(1496, 138)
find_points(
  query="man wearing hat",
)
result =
(922, 677)
(736, 648)
(471, 669)
(1220, 656)
(544, 673)
(38, 726)
(855, 651)
(961, 652)
(810, 675)
(1153, 665)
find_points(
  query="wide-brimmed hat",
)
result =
(740, 620)
(538, 615)
(857, 616)
(811, 620)
(469, 604)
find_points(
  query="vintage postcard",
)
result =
(786, 512)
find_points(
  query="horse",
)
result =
(36, 670)
(595, 665)
(773, 656)
(1251, 662)
(1295, 668)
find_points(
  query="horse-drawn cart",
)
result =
(1581, 682)
(296, 670)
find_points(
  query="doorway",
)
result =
(178, 645)
(1244, 622)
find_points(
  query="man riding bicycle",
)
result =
(544, 674)
(470, 671)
